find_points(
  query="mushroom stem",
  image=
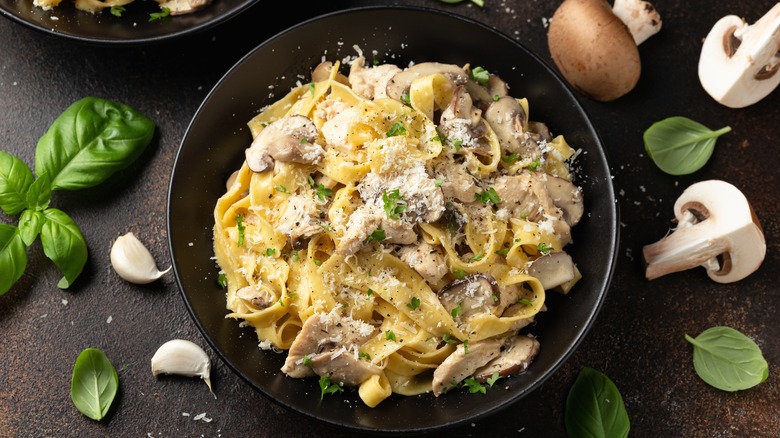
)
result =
(641, 18)
(739, 62)
(717, 229)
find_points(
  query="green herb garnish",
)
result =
(390, 335)
(479, 75)
(394, 204)
(156, 16)
(414, 304)
(322, 192)
(396, 129)
(679, 145)
(241, 228)
(474, 386)
(326, 387)
(377, 235)
(490, 195)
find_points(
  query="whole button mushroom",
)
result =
(716, 229)
(595, 46)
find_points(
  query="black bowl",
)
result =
(132, 28)
(213, 147)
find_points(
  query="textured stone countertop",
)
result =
(637, 339)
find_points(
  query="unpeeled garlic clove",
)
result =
(184, 358)
(133, 262)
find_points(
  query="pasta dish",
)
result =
(395, 230)
(169, 7)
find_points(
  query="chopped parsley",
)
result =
(322, 192)
(377, 236)
(270, 252)
(405, 98)
(414, 304)
(509, 159)
(457, 144)
(325, 226)
(525, 301)
(222, 280)
(394, 204)
(318, 262)
(390, 335)
(396, 129)
(477, 257)
(312, 87)
(438, 182)
(479, 75)
(474, 386)
(294, 256)
(241, 228)
(282, 189)
(503, 252)
(543, 248)
(488, 195)
(492, 379)
(459, 273)
(117, 11)
(156, 16)
(449, 339)
(306, 360)
(535, 165)
(364, 355)
(326, 387)
(457, 311)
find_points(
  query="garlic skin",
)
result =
(184, 358)
(133, 262)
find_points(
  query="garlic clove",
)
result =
(184, 358)
(133, 262)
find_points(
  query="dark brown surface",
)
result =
(637, 339)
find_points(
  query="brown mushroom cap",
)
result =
(593, 49)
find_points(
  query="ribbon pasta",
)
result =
(289, 243)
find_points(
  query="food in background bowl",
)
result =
(397, 229)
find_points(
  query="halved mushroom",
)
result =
(484, 95)
(463, 363)
(717, 229)
(566, 196)
(473, 294)
(291, 138)
(516, 356)
(595, 50)
(739, 63)
(399, 84)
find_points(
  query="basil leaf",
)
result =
(94, 383)
(30, 224)
(594, 407)
(13, 257)
(63, 243)
(39, 194)
(679, 145)
(89, 141)
(727, 359)
(15, 180)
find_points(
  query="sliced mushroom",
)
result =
(739, 63)
(371, 83)
(717, 229)
(463, 363)
(291, 138)
(399, 84)
(484, 95)
(566, 196)
(181, 7)
(259, 297)
(323, 71)
(428, 260)
(553, 269)
(509, 121)
(461, 122)
(325, 337)
(473, 294)
(300, 220)
(515, 357)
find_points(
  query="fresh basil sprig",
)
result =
(91, 140)
(594, 407)
(727, 359)
(94, 383)
(679, 145)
